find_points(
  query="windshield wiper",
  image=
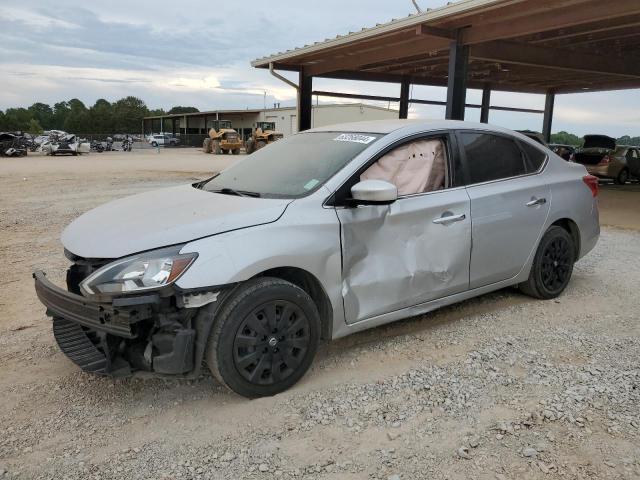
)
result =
(239, 193)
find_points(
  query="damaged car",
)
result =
(320, 235)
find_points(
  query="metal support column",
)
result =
(405, 86)
(486, 104)
(457, 82)
(305, 102)
(548, 115)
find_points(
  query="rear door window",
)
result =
(491, 157)
(534, 157)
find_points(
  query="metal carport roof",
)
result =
(533, 46)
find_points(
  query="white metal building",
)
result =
(285, 118)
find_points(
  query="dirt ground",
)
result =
(498, 387)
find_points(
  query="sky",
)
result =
(198, 53)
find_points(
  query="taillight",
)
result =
(592, 183)
(606, 159)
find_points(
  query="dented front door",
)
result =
(410, 252)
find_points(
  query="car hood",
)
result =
(164, 217)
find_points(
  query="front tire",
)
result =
(552, 266)
(264, 337)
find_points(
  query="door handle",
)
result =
(536, 201)
(449, 219)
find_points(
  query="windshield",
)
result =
(293, 166)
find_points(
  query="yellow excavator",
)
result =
(264, 134)
(222, 138)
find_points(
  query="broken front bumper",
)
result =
(120, 337)
(103, 317)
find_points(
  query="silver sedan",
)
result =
(320, 235)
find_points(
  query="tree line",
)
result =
(126, 114)
(104, 117)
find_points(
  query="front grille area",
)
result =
(76, 344)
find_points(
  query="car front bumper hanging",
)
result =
(103, 317)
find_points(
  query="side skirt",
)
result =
(420, 309)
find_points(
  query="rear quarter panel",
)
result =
(572, 199)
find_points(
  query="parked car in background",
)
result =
(604, 159)
(319, 235)
(162, 140)
(564, 151)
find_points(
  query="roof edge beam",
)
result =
(435, 32)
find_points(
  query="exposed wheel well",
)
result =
(571, 227)
(310, 284)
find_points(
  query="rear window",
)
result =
(534, 157)
(491, 157)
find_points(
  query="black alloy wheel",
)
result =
(552, 265)
(557, 260)
(271, 342)
(264, 337)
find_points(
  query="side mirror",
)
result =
(374, 192)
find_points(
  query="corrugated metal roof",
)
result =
(412, 20)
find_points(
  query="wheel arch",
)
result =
(310, 284)
(572, 228)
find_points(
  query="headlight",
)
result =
(146, 271)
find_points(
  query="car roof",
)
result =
(389, 126)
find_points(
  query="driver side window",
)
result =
(419, 166)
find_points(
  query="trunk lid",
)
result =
(595, 148)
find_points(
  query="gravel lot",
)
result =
(499, 387)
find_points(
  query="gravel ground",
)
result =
(498, 387)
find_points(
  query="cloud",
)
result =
(35, 20)
(198, 53)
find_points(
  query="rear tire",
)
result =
(264, 337)
(206, 145)
(623, 177)
(261, 144)
(552, 266)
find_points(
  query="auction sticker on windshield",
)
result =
(353, 137)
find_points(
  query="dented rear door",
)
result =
(400, 255)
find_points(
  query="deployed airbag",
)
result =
(416, 167)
